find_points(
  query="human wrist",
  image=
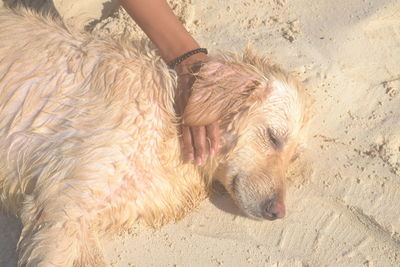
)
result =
(176, 46)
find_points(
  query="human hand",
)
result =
(201, 141)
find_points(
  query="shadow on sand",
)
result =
(10, 229)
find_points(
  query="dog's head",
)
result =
(262, 114)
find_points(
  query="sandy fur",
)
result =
(88, 137)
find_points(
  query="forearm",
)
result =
(157, 20)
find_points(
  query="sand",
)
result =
(343, 204)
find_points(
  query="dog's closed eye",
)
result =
(276, 139)
(271, 137)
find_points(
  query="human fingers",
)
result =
(188, 150)
(200, 144)
(213, 134)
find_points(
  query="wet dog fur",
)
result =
(89, 143)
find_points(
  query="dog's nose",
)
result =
(274, 210)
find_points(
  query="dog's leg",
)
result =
(57, 230)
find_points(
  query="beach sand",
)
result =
(343, 204)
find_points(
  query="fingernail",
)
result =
(190, 157)
(212, 151)
(199, 161)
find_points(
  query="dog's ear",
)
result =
(219, 89)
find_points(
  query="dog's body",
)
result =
(88, 138)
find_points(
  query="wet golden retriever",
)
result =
(88, 139)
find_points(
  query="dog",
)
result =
(89, 141)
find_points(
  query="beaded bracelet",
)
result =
(178, 60)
